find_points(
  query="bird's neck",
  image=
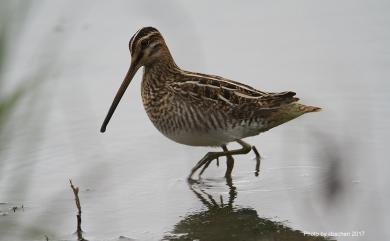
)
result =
(161, 70)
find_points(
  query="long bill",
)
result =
(129, 76)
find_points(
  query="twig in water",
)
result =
(76, 198)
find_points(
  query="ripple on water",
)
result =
(270, 180)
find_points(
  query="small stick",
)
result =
(76, 198)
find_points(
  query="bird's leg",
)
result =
(256, 152)
(213, 155)
(229, 163)
(206, 160)
(258, 159)
(208, 163)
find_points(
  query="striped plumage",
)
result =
(198, 109)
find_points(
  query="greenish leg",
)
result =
(258, 159)
(210, 156)
(229, 163)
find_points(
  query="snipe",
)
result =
(199, 109)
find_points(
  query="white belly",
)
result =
(212, 137)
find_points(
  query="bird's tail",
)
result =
(289, 112)
(307, 108)
(295, 109)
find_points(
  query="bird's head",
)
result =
(146, 47)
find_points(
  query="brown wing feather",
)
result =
(278, 99)
(215, 90)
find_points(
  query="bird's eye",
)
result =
(144, 44)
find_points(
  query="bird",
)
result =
(198, 109)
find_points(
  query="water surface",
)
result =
(323, 172)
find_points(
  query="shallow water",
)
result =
(323, 172)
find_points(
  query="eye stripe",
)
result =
(154, 49)
(148, 38)
(141, 34)
(154, 44)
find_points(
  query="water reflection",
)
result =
(225, 221)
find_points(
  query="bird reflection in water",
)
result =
(226, 221)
